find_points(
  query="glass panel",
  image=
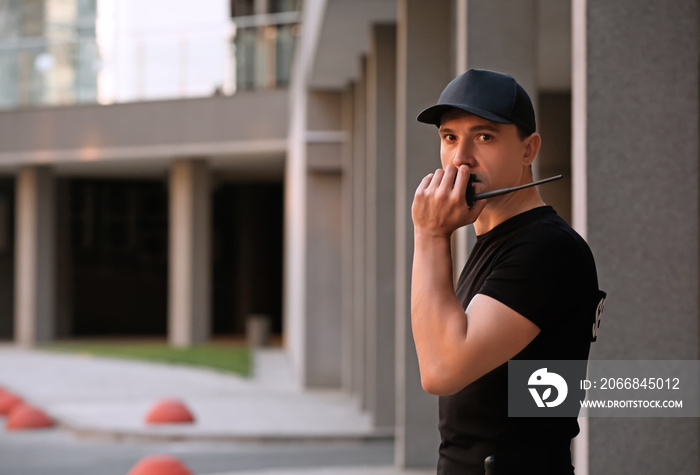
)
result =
(278, 6)
(242, 7)
(263, 56)
(68, 64)
(286, 39)
(246, 39)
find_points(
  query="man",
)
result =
(528, 291)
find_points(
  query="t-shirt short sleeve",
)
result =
(535, 274)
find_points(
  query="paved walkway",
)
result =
(109, 398)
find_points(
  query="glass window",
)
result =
(242, 7)
(277, 6)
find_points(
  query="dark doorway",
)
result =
(247, 257)
(119, 245)
(118, 238)
(7, 260)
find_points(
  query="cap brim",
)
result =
(433, 114)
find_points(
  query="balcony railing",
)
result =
(246, 53)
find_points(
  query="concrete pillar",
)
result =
(381, 226)
(348, 305)
(294, 294)
(579, 220)
(636, 151)
(502, 35)
(424, 67)
(189, 293)
(359, 237)
(323, 285)
(323, 329)
(35, 240)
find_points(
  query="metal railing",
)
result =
(244, 53)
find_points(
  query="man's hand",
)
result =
(440, 206)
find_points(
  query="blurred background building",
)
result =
(171, 168)
(141, 127)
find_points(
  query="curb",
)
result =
(145, 435)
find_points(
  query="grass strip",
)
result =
(228, 358)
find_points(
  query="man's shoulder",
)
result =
(547, 226)
(549, 234)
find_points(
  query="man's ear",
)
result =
(532, 147)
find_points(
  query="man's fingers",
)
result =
(424, 183)
(436, 180)
(462, 179)
(448, 179)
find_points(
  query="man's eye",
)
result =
(449, 137)
(484, 137)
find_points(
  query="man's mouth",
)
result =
(476, 184)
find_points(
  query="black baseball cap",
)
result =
(489, 94)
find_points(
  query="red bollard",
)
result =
(25, 416)
(169, 411)
(160, 465)
(8, 401)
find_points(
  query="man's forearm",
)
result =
(437, 316)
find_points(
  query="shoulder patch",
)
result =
(598, 312)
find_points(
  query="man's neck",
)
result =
(505, 207)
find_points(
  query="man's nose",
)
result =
(463, 156)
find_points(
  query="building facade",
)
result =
(137, 203)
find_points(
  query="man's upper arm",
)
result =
(495, 334)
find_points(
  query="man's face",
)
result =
(494, 152)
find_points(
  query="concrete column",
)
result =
(381, 226)
(348, 306)
(359, 237)
(296, 314)
(424, 67)
(502, 35)
(189, 295)
(35, 240)
(323, 290)
(323, 287)
(636, 120)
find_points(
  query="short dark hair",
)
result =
(522, 133)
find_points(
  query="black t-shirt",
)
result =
(537, 265)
